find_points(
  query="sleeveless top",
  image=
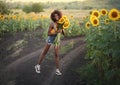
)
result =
(50, 39)
(54, 27)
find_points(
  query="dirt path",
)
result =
(70, 61)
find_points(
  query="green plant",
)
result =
(27, 9)
(14, 23)
(35, 7)
(103, 44)
(75, 28)
(3, 8)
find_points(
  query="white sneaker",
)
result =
(37, 68)
(58, 72)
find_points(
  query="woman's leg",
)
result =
(57, 56)
(44, 52)
(57, 60)
(46, 48)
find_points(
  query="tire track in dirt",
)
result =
(24, 67)
(65, 62)
(36, 53)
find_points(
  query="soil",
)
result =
(20, 52)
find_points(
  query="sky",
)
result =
(42, 0)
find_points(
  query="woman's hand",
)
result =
(59, 31)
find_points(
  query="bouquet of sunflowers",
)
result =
(63, 23)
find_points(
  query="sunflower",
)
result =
(62, 20)
(92, 17)
(66, 24)
(114, 14)
(106, 21)
(103, 12)
(14, 17)
(87, 25)
(119, 15)
(95, 21)
(65, 17)
(52, 31)
(2, 17)
(96, 13)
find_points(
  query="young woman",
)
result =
(52, 33)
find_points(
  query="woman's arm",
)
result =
(63, 32)
(51, 27)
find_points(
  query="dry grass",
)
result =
(75, 13)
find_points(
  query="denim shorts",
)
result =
(51, 39)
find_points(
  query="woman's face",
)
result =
(56, 17)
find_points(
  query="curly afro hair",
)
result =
(52, 16)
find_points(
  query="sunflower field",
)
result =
(13, 23)
(103, 47)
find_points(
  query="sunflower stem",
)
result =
(115, 30)
(57, 40)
